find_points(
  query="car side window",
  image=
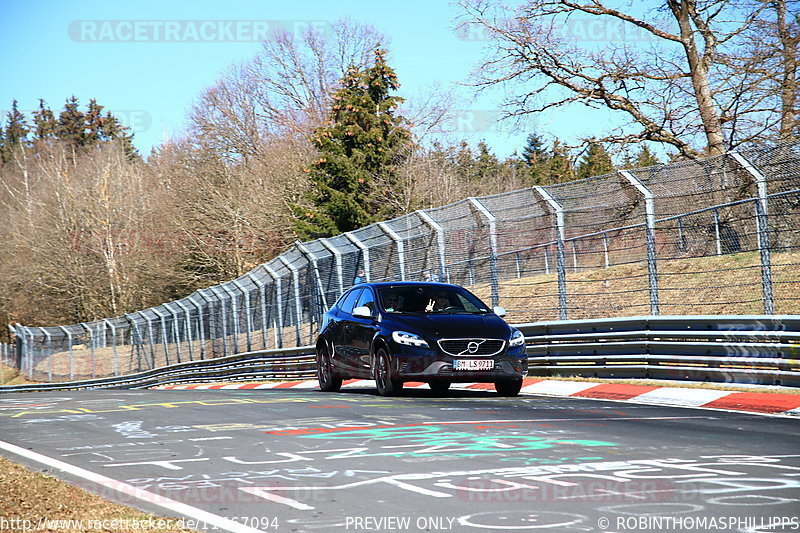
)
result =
(367, 299)
(350, 300)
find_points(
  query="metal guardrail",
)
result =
(741, 349)
(287, 363)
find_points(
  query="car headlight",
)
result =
(409, 339)
(517, 338)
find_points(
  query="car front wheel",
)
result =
(382, 372)
(328, 380)
(508, 387)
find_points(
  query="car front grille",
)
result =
(472, 347)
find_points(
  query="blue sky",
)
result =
(151, 85)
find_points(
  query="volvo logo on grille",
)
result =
(472, 347)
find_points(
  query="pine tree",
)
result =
(560, 168)
(71, 123)
(646, 158)
(595, 162)
(44, 123)
(360, 147)
(15, 133)
(487, 165)
(536, 159)
(94, 122)
(111, 129)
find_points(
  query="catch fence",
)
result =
(714, 236)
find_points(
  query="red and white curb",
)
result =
(756, 402)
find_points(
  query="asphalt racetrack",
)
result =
(307, 461)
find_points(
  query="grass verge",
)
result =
(48, 504)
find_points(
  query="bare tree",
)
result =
(674, 72)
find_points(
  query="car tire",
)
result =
(329, 381)
(382, 373)
(508, 387)
(439, 386)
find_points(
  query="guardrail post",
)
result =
(298, 314)
(492, 220)
(364, 252)
(279, 329)
(650, 237)
(224, 316)
(561, 262)
(337, 257)
(113, 329)
(188, 327)
(401, 254)
(68, 333)
(440, 241)
(312, 259)
(164, 340)
(91, 345)
(248, 319)
(201, 333)
(762, 227)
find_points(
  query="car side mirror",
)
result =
(499, 311)
(362, 312)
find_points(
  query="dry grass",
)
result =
(28, 495)
(718, 285)
(11, 376)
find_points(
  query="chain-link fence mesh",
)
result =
(717, 236)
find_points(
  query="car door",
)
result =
(362, 331)
(342, 349)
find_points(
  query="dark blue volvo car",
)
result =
(431, 332)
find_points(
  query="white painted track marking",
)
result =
(141, 494)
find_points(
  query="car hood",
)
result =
(486, 325)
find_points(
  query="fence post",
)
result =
(561, 262)
(176, 335)
(364, 252)
(224, 316)
(605, 250)
(312, 259)
(298, 314)
(164, 340)
(201, 333)
(91, 345)
(248, 319)
(401, 255)
(716, 231)
(234, 314)
(49, 356)
(150, 339)
(440, 241)
(113, 344)
(337, 256)
(278, 304)
(650, 237)
(492, 220)
(262, 288)
(68, 333)
(188, 327)
(762, 225)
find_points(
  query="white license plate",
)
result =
(473, 364)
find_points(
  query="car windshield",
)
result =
(429, 298)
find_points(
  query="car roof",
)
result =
(405, 283)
